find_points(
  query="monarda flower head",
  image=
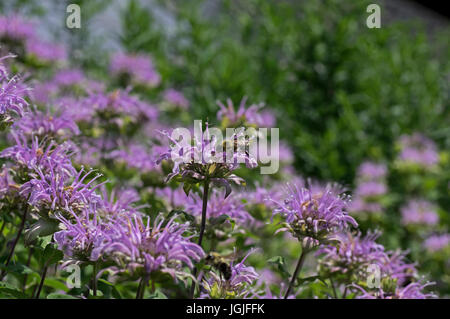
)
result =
(116, 105)
(238, 286)
(147, 249)
(16, 28)
(53, 192)
(138, 68)
(419, 213)
(207, 160)
(372, 171)
(396, 268)
(175, 99)
(418, 150)
(251, 116)
(218, 206)
(314, 218)
(12, 93)
(118, 203)
(82, 235)
(350, 259)
(36, 155)
(44, 51)
(40, 124)
(437, 243)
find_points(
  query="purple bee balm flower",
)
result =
(370, 189)
(68, 77)
(7, 186)
(314, 218)
(208, 160)
(352, 257)
(371, 171)
(40, 156)
(120, 103)
(16, 28)
(139, 67)
(218, 206)
(82, 235)
(43, 92)
(118, 203)
(176, 98)
(11, 96)
(55, 192)
(437, 243)
(360, 205)
(46, 52)
(418, 149)
(135, 156)
(147, 248)
(419, 212)
(285, 153)
(236, 287)
(265, 195)
(42, 124)
(251, 116)
(174, 198)
(411, 291)
(396, 267)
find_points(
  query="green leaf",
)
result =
(18, 268)
(51, 255)
(9, 291)
(280, 264)
(114, 292)
(187, 188)
(187, 216)
(219, 220)
(55, 284)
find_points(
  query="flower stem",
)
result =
(334, 288)
(41, 284)
(202, 228)
(25, 277)
(3, 227)
(141, 287)
(94, 279)
(16, 240)
(297, 270)
(204, 209)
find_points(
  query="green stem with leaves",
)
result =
(202, 227)
(94, 278)
(41, 284)
(16, 240)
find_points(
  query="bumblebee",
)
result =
(220, 263)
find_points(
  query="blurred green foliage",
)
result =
(342, 92)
